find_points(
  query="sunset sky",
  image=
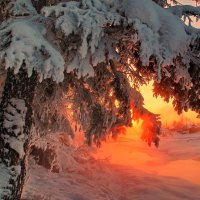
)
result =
(168, 115)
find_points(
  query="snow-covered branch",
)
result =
(186, 12)
(182, 10)
(23, 42)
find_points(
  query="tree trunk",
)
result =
(15, 125)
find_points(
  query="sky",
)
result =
(158, 106)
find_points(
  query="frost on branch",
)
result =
(51, 108)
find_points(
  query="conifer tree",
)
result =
(89, 57)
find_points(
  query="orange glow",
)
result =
(148, 124)
(132, 121)
(116, 103)
(129, 150)
(125, 150)
(166, 110)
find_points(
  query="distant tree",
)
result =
(67, 63)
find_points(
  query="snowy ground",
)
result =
(131, 171)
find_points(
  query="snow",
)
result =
(23, 7)
(160, 33)
(14, 122)
(146, 173)
(88, 20)
(84, 66)
(6, 174)
(181, 10)
(28, 45)
(4, 180)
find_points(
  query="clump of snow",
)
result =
(6, 174)
(4, 180)
(28, 45)
(14, 122)
(182, 73)
(15, 114)
(161, 34)
(23, 7)
(87, 19)
(84, 66)
(185, 11)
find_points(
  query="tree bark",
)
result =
(15, 125)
